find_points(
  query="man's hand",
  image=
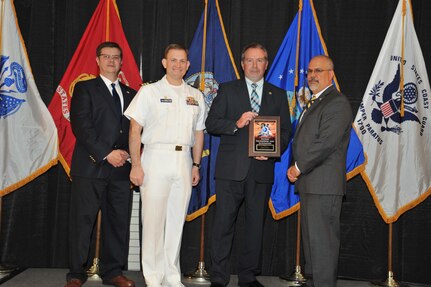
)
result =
(293, 173)
(137, 175)
(195, 176)
(245, 119)
(117, 157)
(261, 157)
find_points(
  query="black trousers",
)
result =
(113, 198)
(230, 196)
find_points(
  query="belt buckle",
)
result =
(178, 148)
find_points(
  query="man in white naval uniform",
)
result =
(171, 116)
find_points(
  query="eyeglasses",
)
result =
(317, 71)
(107, 57)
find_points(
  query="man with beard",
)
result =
(319, 171)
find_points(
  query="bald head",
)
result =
(320, 73)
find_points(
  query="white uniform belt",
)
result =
(171, 147)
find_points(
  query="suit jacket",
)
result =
(233, 162)
(98, 129)
(320, 144)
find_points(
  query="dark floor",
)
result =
(56, 278)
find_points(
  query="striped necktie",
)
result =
(311, 101)
(254, 99)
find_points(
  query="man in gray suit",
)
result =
(319, 171)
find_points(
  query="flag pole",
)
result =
(4, 268)
(296, 278)
(200, 275)
(93, 271)
(403, 15)
(390, 281)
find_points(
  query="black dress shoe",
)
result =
(215, 284)
(252, 284)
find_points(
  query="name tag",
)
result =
(165, 100)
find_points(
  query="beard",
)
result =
(313, 85)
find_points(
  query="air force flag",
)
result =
(398, 173)
(292, 62)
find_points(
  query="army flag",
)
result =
(105, 25)
(211, 63)
(302, 42)
(28, 141)
(393, 121)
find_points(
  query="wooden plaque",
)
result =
(264, 136)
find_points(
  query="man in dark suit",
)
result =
(240, 178)
(319, 152)
(100, 171)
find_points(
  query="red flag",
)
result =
(105, 25)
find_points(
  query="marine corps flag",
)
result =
(302, 42)
(28, 140)
(211, 63)
(393, 121)
(105, 25)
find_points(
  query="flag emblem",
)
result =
(210, 86)
(387, 113)
(13, 80)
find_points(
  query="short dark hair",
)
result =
(175, 46)
(254, 45)
(108, 45)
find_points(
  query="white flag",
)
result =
(398, 172)
(28, 136)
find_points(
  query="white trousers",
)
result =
(165, 196)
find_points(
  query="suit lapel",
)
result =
(244, 98)
(127, 97)
(106, 95)
(314, 106)
(266, 94)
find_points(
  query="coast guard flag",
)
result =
(28, 140)
(284, 201)
(206, 73)
(105, 25)
(398, 148)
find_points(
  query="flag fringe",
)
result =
(202, 210)
(401, 210)
(284, 213)
(29, 178)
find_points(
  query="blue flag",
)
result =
(289, 63)
(211, 63)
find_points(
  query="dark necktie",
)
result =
(311, 101)
(117, 101)
(254, 99)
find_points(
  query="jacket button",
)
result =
(121, 131)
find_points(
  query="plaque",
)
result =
(264, 136)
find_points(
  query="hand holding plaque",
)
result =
(264, 136)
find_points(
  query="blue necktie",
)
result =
(117, 101)
(254, 99)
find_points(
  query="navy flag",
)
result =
(211, 63)
(302, 42)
